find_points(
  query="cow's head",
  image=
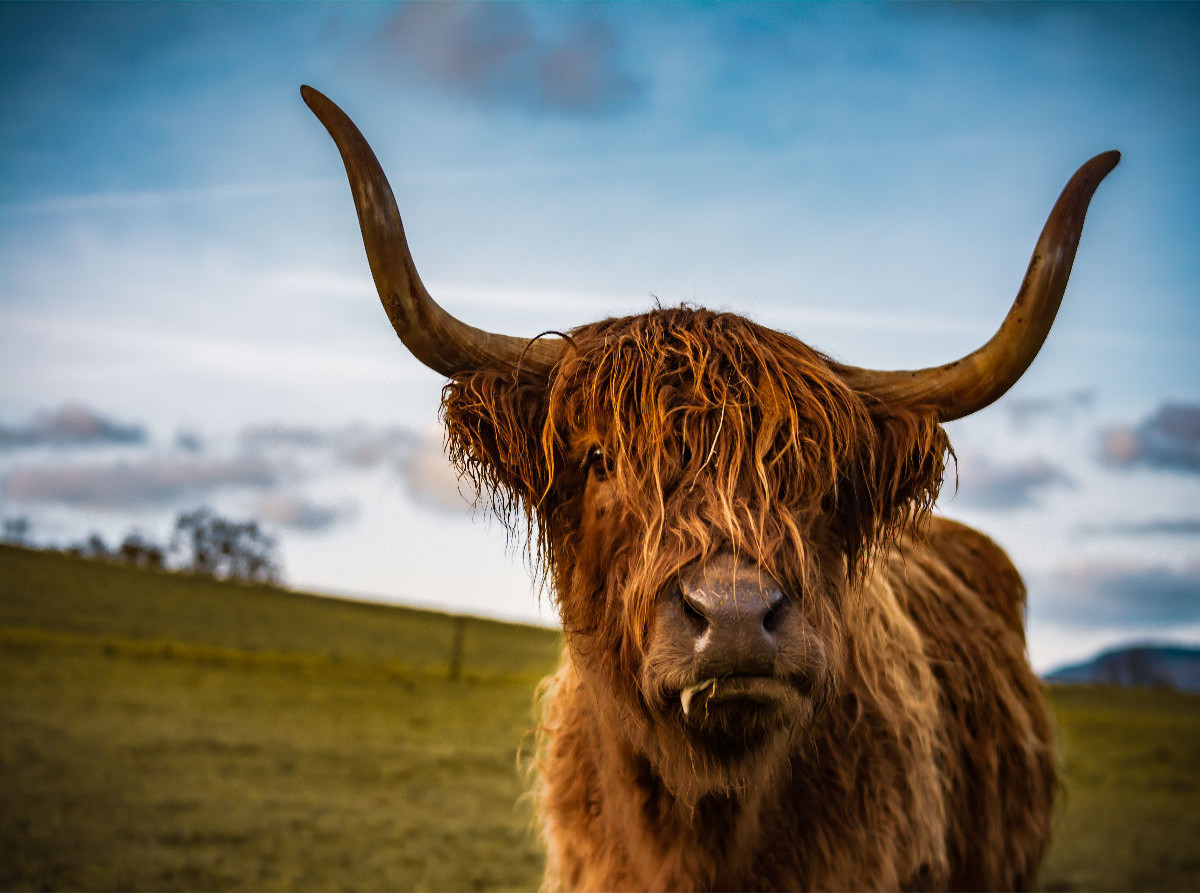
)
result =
(701, 491)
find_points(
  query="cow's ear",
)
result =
(493, 430)
(895, 480)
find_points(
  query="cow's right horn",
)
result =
(439, 340)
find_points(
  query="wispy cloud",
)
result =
(275, 435)
(1168, 440)
(1003, 486)
(130, 485)
(499, 54)
(429, 477)
(70, 425)
(152, 198)
(298, 513)
(1055, 407)
(418, 459)
(365, 447)
(358, 445)
(1151, 527)
(1142, 596)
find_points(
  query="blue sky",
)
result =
(178, 252)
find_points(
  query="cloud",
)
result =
(498, 53)
(430, 478)
(1004, 486)
(359, 446)
(189, 441)
(130, 484)
(1060, 407)
(1168, 440)
(273, 435)
(1141, 596)
(365, 447)
(70, 425)
(284, 510)
(1151, 527)
(151, 198)
(417, 458)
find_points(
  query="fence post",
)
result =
(456, 647)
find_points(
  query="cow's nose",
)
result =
(734, 612)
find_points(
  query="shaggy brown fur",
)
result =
(917, 753)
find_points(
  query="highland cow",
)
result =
(780, 671)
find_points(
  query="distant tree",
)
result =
(93, 547)
(140, 551)
(16, 531)
(217, 547)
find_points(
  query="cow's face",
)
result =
(704, 488)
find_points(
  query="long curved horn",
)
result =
(960, 388)
(439, 340)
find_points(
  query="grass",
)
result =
(1130, 819)
(160, 732)
(58, 593)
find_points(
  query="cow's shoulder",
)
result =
(950, 574)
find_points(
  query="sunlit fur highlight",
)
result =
(719, 435)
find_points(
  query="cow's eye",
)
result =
(597, 463)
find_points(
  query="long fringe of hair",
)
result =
(717, 433)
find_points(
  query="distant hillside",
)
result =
(62, 594)
(1137, 666)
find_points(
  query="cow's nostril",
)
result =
(694, 616)
(774, 616)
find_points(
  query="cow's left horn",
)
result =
(960, 388)
(436, 338)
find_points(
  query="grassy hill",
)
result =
(162, 732)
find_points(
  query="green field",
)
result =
(163, 732)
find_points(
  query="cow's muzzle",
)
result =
(733, 614)
(722, 638)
